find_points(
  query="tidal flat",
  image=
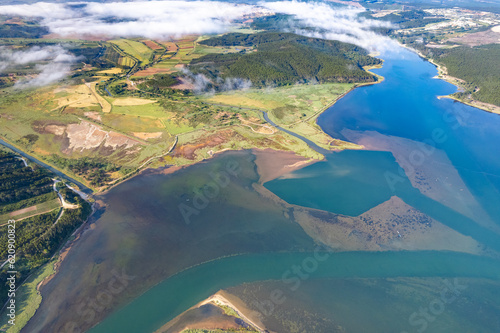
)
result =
(376, 305)
(208, 226)
(141, 237)
(163, 242)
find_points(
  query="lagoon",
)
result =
(179, 264)
(405, 104)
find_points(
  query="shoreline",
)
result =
(443, 75)
(220, 299)
(272, 164)
(265, 175)
(55, 261)
(312, 120)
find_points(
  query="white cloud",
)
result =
(153, 19)
(334, 23)
(39, 9)
(175, 18)
(56, 64)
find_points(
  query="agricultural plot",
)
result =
(127, 123)
(135, 49)
(20, 183)
(37, 209)
(152, 71)
(152, 44)
(149, 110)
(168, 63)
(126, 62)
(171, 46)
(111, 71)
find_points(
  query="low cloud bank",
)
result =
(152, 19)
(57, 64)
(176, 18)
(335, 23)
(202, 85)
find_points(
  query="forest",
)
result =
(37, 237)
(478, 66)
(22, 31)
(410, 19)
(19, 182)
(285, 59)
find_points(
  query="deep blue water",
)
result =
(405, 104)
(349, 182)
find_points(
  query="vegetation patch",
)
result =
(284, 59)
(478, 67)
(135, 49)
(95, 170)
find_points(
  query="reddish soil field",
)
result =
(183, 84)
(478, 38)
(152, 45)
(151, 71)
(170, 46)
(189, 150)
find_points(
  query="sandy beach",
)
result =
(204, 316)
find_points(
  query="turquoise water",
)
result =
(173, 296)
(352, 182)
(406, 105)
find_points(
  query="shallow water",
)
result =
(352, 182)
(143, 232)
(405, 104)
(180, 292)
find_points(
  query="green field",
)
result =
(286, 104)
(153, 110)
(128, 123)
(126, 62)
(41, 208)
(136, 49)
(294, 107)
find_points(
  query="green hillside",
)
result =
(284, 59)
